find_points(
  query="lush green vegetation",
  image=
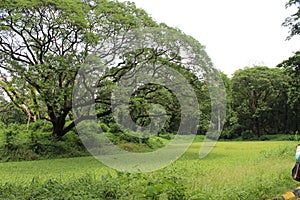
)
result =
(260, 101)
(17, 143)
(233, 170)
(43, 46)
(41, 84)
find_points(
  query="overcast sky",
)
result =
(236, 33)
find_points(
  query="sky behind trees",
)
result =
(236, 33)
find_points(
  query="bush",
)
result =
(10, 140)
(21, 153)
(247, 135)
(104, 128)
(41, 126)
(167, 136)
(120, 186)
(114, 128)
(21, 144)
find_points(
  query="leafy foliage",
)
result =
(259, 104)
(293, 22)
(19, 143)
(43, 44)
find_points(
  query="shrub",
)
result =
(120, 186)
(104, 128)
(167, 136)
(10, 140)
(21, 144)
(247, 135)
(114, 128)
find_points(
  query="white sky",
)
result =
(236, 33)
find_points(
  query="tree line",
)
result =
(261, 103)
(43, 45)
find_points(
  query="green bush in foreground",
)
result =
(140, 186)
(121, 186)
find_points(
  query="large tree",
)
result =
(258, 96)
(43, 44)
(152, 51)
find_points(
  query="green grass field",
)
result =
(233, 170)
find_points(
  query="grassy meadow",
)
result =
(233, 170)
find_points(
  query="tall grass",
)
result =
(233, 170)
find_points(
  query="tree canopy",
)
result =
(44, 43)
(293, 21)
(257, 96)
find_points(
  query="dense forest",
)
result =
(43, 45)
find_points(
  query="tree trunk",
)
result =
(257, 125)
(58, 127)
(297, 117)
(57, 132)
(219, 121)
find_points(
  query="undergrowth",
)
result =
(120, 186)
